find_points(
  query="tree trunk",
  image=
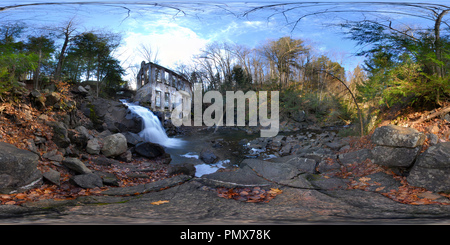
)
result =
(61, 57)
(37, 72)
(353, 96)
(437, 42)
(88, 72)
(433, 115)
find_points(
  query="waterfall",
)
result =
(152, 129)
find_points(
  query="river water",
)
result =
(152, 130)
(186, 148)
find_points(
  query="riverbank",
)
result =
(343, 192)
(301, 176)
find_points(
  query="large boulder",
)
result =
(37, 99)
(114, 145)
(208, 156)
(111, 115)
(432, 169)
(133, 139)
(18, 169)
(393, 156)
(79, 136)
(397, 147)
(396, 136)
(184, 168)
(93, 146)
(82, 90)
(290, 173)
(306, 165)
(60, 134)
(149, 149)
(52, 98)
(89, 180)
(52, 176)
(76, 165)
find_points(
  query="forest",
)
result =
(403, 68)
(39, 57)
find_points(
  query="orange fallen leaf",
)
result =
(5, 196)
(275, 191)
(253, 200)
(420, 202)
(159, 202)
(21, 196)
(364, 179)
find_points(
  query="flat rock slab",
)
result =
(242, 177)
(275, 172)
(307, 165)
(153, 186)
(263, 173)
(289, 173)
(190, 203)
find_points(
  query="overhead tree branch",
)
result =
(351, 93)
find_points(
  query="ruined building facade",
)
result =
(161, 87)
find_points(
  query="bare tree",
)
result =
(282, 55)
(67, 31)
(217, 60)
(148, 53)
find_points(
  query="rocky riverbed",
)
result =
(99, 170)
(328, 180)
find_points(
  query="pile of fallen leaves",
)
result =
(46, 191)
(359, 169)
(18, 124)
(255, 194)
(408, 194)
(410, 116)
(358, 173)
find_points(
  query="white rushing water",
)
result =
(152, 130)
(190, 155)
(203, 169)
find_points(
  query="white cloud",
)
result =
(174, 43)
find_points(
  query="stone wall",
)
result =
(162, 88)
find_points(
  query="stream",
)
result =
(226, 142)
(227, 145)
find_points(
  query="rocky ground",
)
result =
(99, 171)
(316, 185)
(194, 201)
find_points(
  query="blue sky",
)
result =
(178, 35)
